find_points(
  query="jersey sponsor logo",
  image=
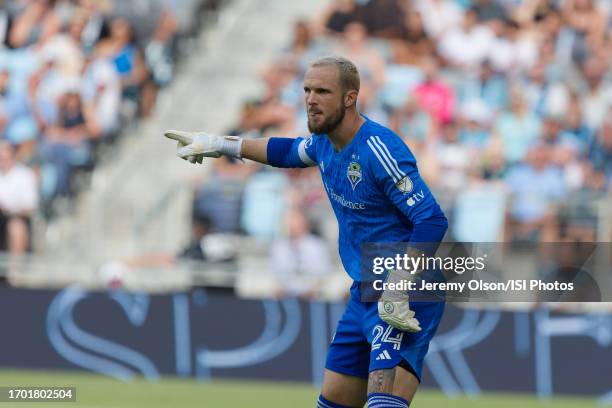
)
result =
(415, 198)
(353, 172)
(404, 185)
(343, 201)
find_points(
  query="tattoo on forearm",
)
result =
(381, 380)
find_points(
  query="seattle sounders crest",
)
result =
(353, 172)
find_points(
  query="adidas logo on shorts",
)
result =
(384, 356)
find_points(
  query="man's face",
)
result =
(324, 99)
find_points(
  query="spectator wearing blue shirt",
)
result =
(517, 128)
(536, 187)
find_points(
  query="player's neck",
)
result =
(343, 135)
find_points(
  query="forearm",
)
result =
(255, 149)
(429, 232)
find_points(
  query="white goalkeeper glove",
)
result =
(194, 146)
(393, 305)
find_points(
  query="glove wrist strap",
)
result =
(231, 146)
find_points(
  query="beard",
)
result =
(329, 124)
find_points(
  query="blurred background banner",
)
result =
(123, 335)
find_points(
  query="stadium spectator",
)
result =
(65, 142)
(369, 61)
(219, 199)
(489, 86)
(129, 63)
(413, 45)
(301, 46)
(3, 86)
(277, 107)
(601, 150)
(450, 160)
(489, 10)
(434, 95)
(250, 119)
(545, 95)
(597, 94)
(337, 16)
(95, 15)
(4, 25)
(64, 48)
(265, 197)
(575, 130)
(526, 13)
(412, 123)
(18, 201)
(513, 50)
(537, 187)
(13, 92)
(152, 20)
(306, 191)
(439, 16)
(475, 126)
(518, 128)
(36, 24)
(468, 44)
(102, 91)
(384, 18)
(22, 133)
(587, 24)
(370, 105)
(155, 24)
(562, 151)
(299, 260)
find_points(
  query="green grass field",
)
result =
(94, 391)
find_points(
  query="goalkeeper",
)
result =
(376, 192)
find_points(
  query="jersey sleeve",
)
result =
(395, 172)
(286, 152)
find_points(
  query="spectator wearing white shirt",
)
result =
(596, 99)
(468, 44)
(18, 201)
(514, 50)
(439, 16)
(102, 91)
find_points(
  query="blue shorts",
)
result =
(364, 343)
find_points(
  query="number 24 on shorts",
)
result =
(383, 335)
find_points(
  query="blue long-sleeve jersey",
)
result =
(374, 188)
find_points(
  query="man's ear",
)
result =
(350, 98)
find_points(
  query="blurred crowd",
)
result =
(73, 74)
(507, 105)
